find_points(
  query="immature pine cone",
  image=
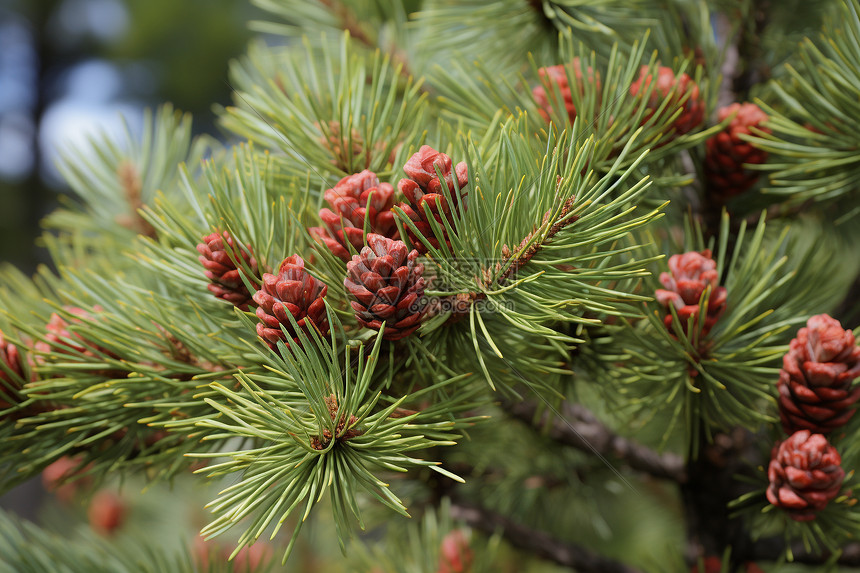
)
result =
(293, 290)
(388, 286)
(223, 272)
(11, 358)
(60, 339)
(815, 383)
(805, 475)
(455, 554)
(425, 188)
(693, 112)
(726, 153)
(553, 76)
(345, 149)
(352, 200)
(690, 273)
(107, 512)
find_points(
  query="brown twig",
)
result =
(537, 542)
(519, 257)
(526, 250)
(751, 70)
(351, 24)
(582, 430)
(129, 179)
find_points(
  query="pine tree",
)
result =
(569, 283)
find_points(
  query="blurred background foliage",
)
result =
(69, 68)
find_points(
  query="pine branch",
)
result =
(582, 430)
(528, 247)
(537, 542)
(537, 6)
(132, 186)
(773, 549)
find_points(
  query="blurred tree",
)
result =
(159, 49)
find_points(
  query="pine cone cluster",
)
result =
(425, 188)
(554, 78)
(387, 286)
(223, 271)
(293, 290)
(682, 86)
(726, 153)
(354, 200)
(690, 274)
(805, 474)
(815, 383)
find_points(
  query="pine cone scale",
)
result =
(388, 296)
(354, 201)
(424, 188)
(815, 383)
(293, 292)
(805, 474)
(691, 275)
(223, 272)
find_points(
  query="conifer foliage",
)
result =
(517, 269)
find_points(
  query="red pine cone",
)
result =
(252, 558)
(455, 555)
(545, 94)
(425, 188)
(352, 200)
(726, 153)
(815, 383)
(388, 286)
(690, 274)
(805, 474)
(693, 111)
(62, 478)
(11, 358)
(60, 339)
(222, 270)
(292, 291)
(106, 512)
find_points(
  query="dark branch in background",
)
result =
(351, 24)
(848, 312)
(582, 430)
(751, 69)
(773, 549)
(729, 66)
(537, 542)
(537, 6)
